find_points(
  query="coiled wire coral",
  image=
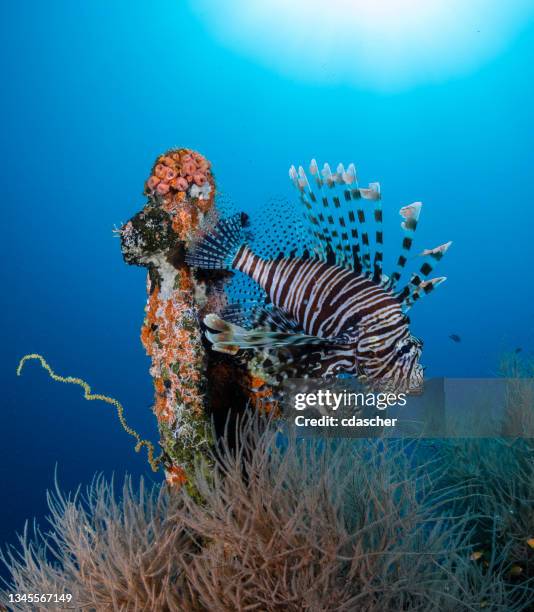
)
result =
(90, 396)
(281, 524)
(191, 383)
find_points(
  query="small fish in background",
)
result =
(455, 338)
(518, 350)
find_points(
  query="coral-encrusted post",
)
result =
(181, 193)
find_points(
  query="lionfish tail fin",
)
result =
(340, 215)
(218, 249)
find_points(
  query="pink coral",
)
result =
(152, 182)
(199, 179)
(163, 188)
(170, 174)
(181, 184)
(175, 172)
(190, 167)
(159, 170)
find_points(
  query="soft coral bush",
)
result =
(278, 524)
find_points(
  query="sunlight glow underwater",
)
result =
(378, 44)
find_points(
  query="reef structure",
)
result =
(189, 380)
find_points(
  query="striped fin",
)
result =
(280, 219)
(319, 229)
(418, 286)
(229, 338)
(306, 362)
(338, 216)
(218, 249)
(411, 294)
(374, 194)
(431, 257)
(267, 317)
(410, 214)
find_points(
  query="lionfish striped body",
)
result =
(331, 310)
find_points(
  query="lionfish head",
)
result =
(406, 371)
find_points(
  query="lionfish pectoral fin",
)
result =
(216, 323)
(308, 362)
(223, 331)
(227, 337)
(230, 349)
(268, 317)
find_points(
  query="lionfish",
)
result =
(331, 310)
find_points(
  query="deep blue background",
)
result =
(93, 91)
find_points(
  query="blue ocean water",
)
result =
(94, 91)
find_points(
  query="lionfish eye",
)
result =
(405, 349)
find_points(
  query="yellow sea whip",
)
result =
(154, 462)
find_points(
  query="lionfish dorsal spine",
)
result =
(336, 211)
(418, 285)
(422, 289)
(410, 215)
